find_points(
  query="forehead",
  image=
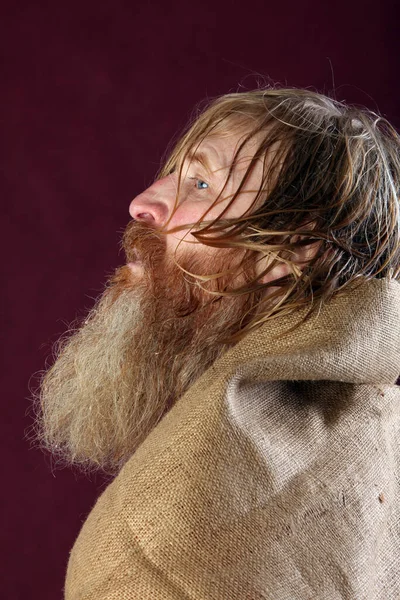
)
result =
(219, 152)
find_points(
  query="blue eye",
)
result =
(200, 183)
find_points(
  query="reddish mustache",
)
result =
(141, 242)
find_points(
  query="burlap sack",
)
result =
(275, 477)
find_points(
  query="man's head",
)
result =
(273, 200)
(303, 187)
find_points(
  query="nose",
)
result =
(153, 206)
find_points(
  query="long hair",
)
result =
(331, 175)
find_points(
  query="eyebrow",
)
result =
(201, 158)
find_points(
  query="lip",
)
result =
(135, 265)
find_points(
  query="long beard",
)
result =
(146, 341)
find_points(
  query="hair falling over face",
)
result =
(331, 176)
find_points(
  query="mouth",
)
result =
(135, 263)
(135, 266)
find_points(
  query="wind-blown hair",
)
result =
(331, 174)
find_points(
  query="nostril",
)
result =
(145, 216)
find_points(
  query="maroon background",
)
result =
(92, 93)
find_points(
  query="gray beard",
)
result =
(143, 345)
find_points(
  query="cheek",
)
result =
(185, 215)
(194, 211)
(240, 205)
(173, 239)
(189, 212)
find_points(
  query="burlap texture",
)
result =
(275, 477)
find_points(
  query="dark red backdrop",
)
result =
(92, 92)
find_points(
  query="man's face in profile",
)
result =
(204, 177)
(154, 331)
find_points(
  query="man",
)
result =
(238, 373)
